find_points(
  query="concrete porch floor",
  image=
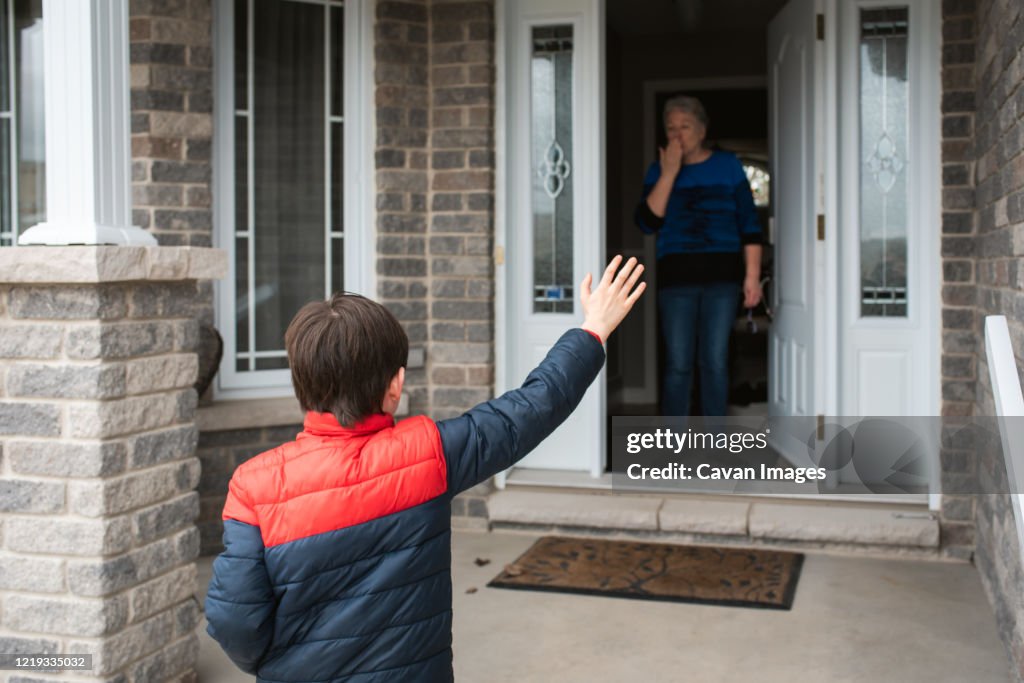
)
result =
(853, 619)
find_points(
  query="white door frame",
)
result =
(588, 255)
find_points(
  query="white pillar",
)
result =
(88, 126)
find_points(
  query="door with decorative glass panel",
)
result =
(554, 199)
(889, 64)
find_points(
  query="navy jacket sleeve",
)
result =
(494, 435)
(746, 212)
(240, 603)
(646, 219)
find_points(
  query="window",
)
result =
(760, 182)
(22, 149)
(884, 154)
(552, 158)
(282, 163)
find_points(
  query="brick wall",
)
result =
(461, 241)
(995, 142)
(435, 202)
(172, 119)
(959, 340)
(171, 57)
(402, 159)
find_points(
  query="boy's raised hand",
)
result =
(606, 306)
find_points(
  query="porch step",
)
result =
(704, 517)
(843, 525)
(569, 509)
(739, 521)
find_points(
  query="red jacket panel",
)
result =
(332, 477)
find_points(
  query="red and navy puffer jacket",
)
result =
(337, 560)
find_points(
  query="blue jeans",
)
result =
(696, 321)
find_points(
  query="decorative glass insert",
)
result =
(760, 182)
(884, 145)
(22, 145)
(288, 163)
(551, 131)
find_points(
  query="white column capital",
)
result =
(88, 126)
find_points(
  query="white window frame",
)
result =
(358, 204)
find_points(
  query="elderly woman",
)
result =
(699, 203)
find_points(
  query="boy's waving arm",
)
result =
(240, 603)
(494, 435)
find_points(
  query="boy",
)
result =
(337, 560)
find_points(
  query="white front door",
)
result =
(554, 200)
(794, 113)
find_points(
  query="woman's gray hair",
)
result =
(687, 105)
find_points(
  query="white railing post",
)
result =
(1002, 369)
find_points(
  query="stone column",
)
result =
(97, 457)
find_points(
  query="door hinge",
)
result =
(821, 227)
(499, 255)
(821, 26)
(821, 428)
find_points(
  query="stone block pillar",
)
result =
(98, 468)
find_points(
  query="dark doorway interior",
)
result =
(717, 51)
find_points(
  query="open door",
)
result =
(794, 129)
(554, 198)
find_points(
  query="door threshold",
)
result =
(580, 480)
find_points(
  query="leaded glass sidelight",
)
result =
(884, 151)
(551, 131)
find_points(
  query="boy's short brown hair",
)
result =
(343, 353)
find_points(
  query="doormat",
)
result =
(735, 577)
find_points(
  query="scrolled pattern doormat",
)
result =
(735, 577)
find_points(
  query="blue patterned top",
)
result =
(710, 216)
